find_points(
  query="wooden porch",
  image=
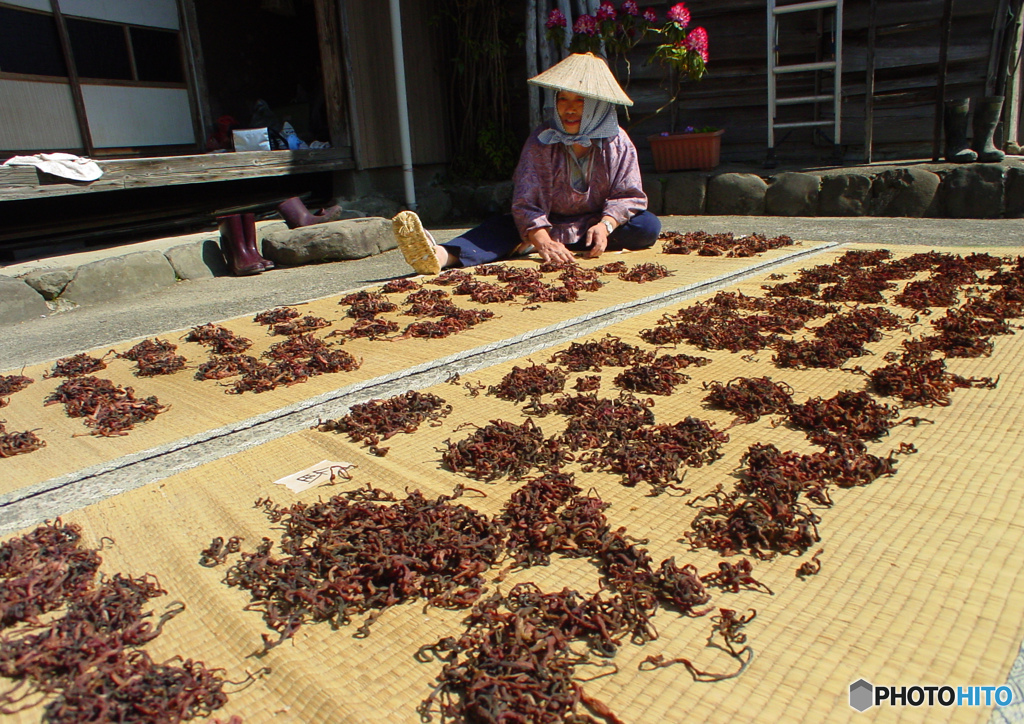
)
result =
(18, 183)
(154, 194)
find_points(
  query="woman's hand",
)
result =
(597, 238)
(548, 248)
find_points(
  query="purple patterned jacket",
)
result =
(544, 196)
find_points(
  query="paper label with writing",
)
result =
(325, 471)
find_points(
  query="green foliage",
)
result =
(686, 62)
(478, 37)
(494, 156)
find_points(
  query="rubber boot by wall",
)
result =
(249, 228)
(241, 262)
(955, 127)
(296, 214)
(986, 118)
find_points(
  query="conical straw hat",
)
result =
(586, 74)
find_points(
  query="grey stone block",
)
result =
(911, 192)
(462, 200)
(433, 205)
(49, 282)
(491, 199)
(736, 194)
(347, 214)
(847, 194)
(198, 260)
(685, 194)
(1015, 193)
(654, 187)
(793, 194)
(973, 192)
(335, 241)
(373, 206)
(121, 276)
(19, 302)
(270, 227)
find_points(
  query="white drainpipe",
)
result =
(403, 105)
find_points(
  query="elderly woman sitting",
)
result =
(577, 185)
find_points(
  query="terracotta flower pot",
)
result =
(684, 151)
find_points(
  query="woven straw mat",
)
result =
(921, 579)
(200, 406)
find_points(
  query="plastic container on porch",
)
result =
(684, 151)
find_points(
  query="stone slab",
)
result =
(973, 192)
(433, 205)
(49, 282)
(910, 192)
(197, 260)
(19, 302)
(793, 194)
(736, 194)
(654, 187)
(1014, 193)
(120, 276)
(461, 195)
(847, 194)
(685, 194)
(370, 206)
(334, 241)
(491, 199)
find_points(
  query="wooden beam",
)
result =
(945, 29)
(195, 72)
(531, 60)
(76, 87)
(131, 53)
(994, 77)
(328, 31)
(19, 182)
(350, 87)
(1011, 108)
(869, 84)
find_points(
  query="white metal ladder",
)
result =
(774, 70)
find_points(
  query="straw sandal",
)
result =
(415, 242)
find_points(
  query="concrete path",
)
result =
(189, 303)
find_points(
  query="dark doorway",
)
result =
(263, 50)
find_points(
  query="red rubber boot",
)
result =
(241, 262)
(296, 214)
(249, 227)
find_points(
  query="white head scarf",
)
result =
(599, 121)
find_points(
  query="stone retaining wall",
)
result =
(975, 191)
(972, 191)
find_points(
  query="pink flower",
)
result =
(585, 25)
(606, 12)
(630, 8)
(697, 41)
(679, 14)
(556, 19)
(649, 16)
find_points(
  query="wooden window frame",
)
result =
(76, 82)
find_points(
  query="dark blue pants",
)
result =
(496, 237)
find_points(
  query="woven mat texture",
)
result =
(200, 406)
(922, 579)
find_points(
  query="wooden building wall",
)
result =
(734, 93)
(372, 82)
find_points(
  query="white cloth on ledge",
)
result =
(65, 165)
